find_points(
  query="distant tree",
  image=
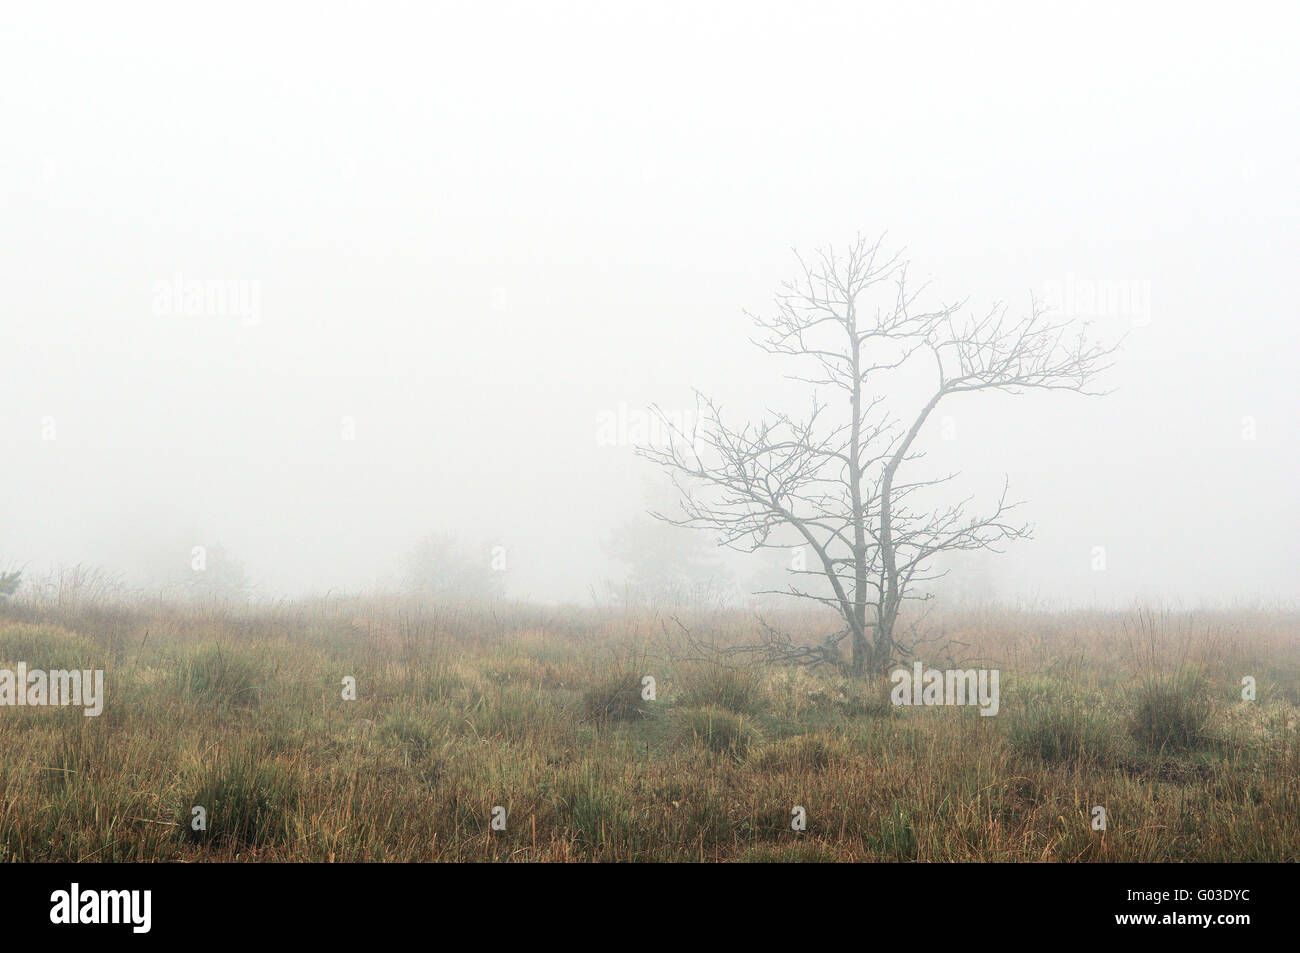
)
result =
(9, 583)
(664, 566)
(187, 564)
(215, 575)
(442, 566)
(842, 477)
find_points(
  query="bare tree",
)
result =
(441, 566)
(843, 484)
(9, 583)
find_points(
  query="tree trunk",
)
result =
(861, 653)
(883, 650)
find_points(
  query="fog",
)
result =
(449, 254)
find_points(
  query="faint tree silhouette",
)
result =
(843, 481)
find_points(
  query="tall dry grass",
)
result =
(462, 709)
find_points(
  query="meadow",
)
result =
(463, 709)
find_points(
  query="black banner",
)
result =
(948, 904)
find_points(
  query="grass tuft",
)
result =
(614, 697)
(715, 729)
(1064, 732)
(738, 690)
(1172, 713)
(220, 676)
(249, 803)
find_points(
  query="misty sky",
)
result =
(460, 234)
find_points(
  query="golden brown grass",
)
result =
(464, 709)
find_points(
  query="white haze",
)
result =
(475, 228)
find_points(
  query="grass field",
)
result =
(540, 712)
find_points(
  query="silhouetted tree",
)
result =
(665, 567)
(840, 476)
(441, 566)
